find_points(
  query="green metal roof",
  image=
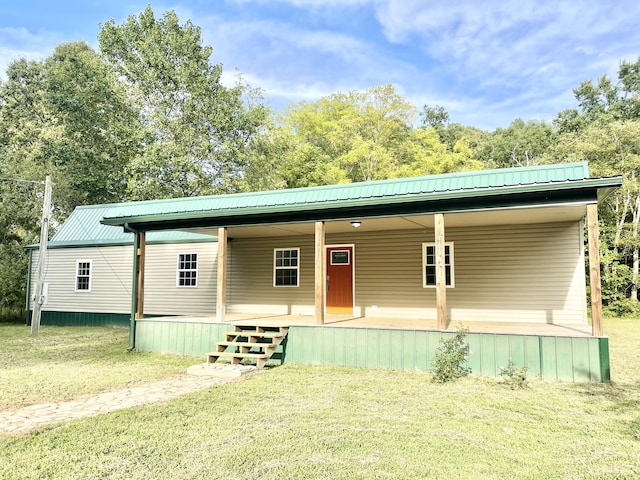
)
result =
(83, 228)
(448, 192)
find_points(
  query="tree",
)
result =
(358, 132)
(98, 128)
(194, 131)
(424, 154)
(436, 117)
(23, 122)
(612, 149)
(66, 117)
(605, 131)
(520, 144)
(607, 101)
(352, 137)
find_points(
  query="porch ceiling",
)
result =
(513, 216)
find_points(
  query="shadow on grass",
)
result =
(623, 399)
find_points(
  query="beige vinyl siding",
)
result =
(250, 286)
(162, 296)
(111, 277)
(532, 273)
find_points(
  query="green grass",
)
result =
(65, 362)
(298, 422)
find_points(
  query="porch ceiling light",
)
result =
(356, 224)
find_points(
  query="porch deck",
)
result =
(350, 321)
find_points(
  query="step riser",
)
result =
(257, 338)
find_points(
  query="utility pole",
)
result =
(42, 258)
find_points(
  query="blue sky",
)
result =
(486, 62)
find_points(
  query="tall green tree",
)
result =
(520, 144)
(99, 131)
(24, 124)
(605, 130)
(355, 136)
(458, 138)
(358, 131)
(66, 117)
(194, 130)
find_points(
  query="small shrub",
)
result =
(624, 308)
(514, 377)
(450, 360)
(12, 315)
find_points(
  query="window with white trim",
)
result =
(187, 273)
(286, 267)
(83, 275)
(429, 264)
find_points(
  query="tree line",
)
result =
(147, 117)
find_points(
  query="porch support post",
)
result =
(142, 247)
(320, 272)
(221, 284)
(594, 270)
(441, 273)
(137, 284)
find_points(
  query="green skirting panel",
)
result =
(84, 319)
(179, 338)
(573, 359)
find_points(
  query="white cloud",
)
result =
(309, 4)
(508, 38)
(287, 61)
(16, 43)
(486, 62)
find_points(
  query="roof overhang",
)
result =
(466, 200)
(477, 218)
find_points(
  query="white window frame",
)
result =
(346, 250)
(78, 276)
(286, 267)
(450, 264)
(179, 270)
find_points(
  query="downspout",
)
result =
(29, 273)
(134, 287)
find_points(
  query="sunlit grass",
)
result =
(624, 348)
(65, 362)
(299, 422)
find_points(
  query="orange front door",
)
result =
(340, 280)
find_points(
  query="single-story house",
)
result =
(365, 274)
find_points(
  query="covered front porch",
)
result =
(524, 276)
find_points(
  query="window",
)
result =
(187, 270)
(340, 257)
(83, 276)
(429, 264)
(286, 266)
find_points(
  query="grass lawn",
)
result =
(65, 362)
(298, 422)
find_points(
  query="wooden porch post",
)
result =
(137, 285)
(594, 270)
(441, 273)
(221, 284)
(320, 272)
(142, 247)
